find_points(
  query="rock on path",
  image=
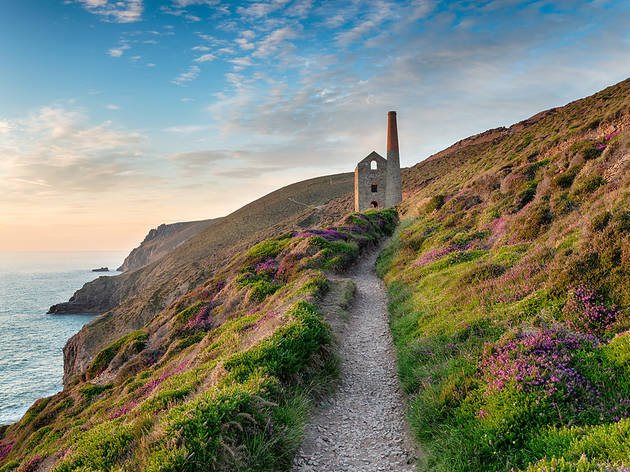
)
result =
(362, 427)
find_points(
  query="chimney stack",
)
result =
(392, 132)
(394, 186)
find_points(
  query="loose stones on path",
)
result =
(362, 428)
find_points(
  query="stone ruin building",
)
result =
(376, 179)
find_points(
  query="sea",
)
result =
(31, 342)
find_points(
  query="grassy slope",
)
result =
(509, 282)
(221, 379)
(136, 296)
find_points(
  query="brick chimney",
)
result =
(394, 186)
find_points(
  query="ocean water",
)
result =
(31, 342)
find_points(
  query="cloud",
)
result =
(119, 51)
(271, 44)
(201, 48)
(200, 158)
(300, 8)
(244, 44)
(187, 3)
(54, 148)
(118, 11)
(206, 58)
(187, 129)
(358, 32)
(247, 173)
(112, 107)
(180, 12)
(261, 9)
(6, 127)
(241, 61)
(185, 77)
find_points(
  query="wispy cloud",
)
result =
(181, 12)
(261, 9)
(187, 3)
(185, 77)
(241, 61)
(112, 107)
(272, 43)
(119, 11)
(118, 51)
(53, 147)
(206, 58)
(5, 127)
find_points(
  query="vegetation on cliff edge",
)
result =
(222, 379)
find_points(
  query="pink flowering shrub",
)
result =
(540, 362)
(435, 254)
(146, 389)
(521, 280)
(5, 449)
(203, 318)
(603, 143)
(328, 234)
(585, 312)
(32, 465)
(269, 266)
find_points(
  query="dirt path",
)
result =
(362, 427)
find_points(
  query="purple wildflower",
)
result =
(5, 449)
(329, 234)
(147, 389)
(586, 313)
(202, 320)
(270, 265)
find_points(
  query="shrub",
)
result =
(269, 248)
(135, 340)
(565, 180)
(621, 220)
(483, 272)
(535, 221)
(435, 203)
(590, 184)
(586, 313)
(101, 448)
(542, 362)
(261, 289)
(90, 391)
(588, 149)
(527, 195)
(600, 221)
(562, 465)
(288, 349)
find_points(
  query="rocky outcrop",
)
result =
(97, 296)
(162, 240)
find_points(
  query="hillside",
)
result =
(222, 379)
(509, 294)
(133, 298)
(161, 240)
(508, 281)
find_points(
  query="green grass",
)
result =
(134, 340)
(480, 285)
(222, 379)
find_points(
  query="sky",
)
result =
(117, 116)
